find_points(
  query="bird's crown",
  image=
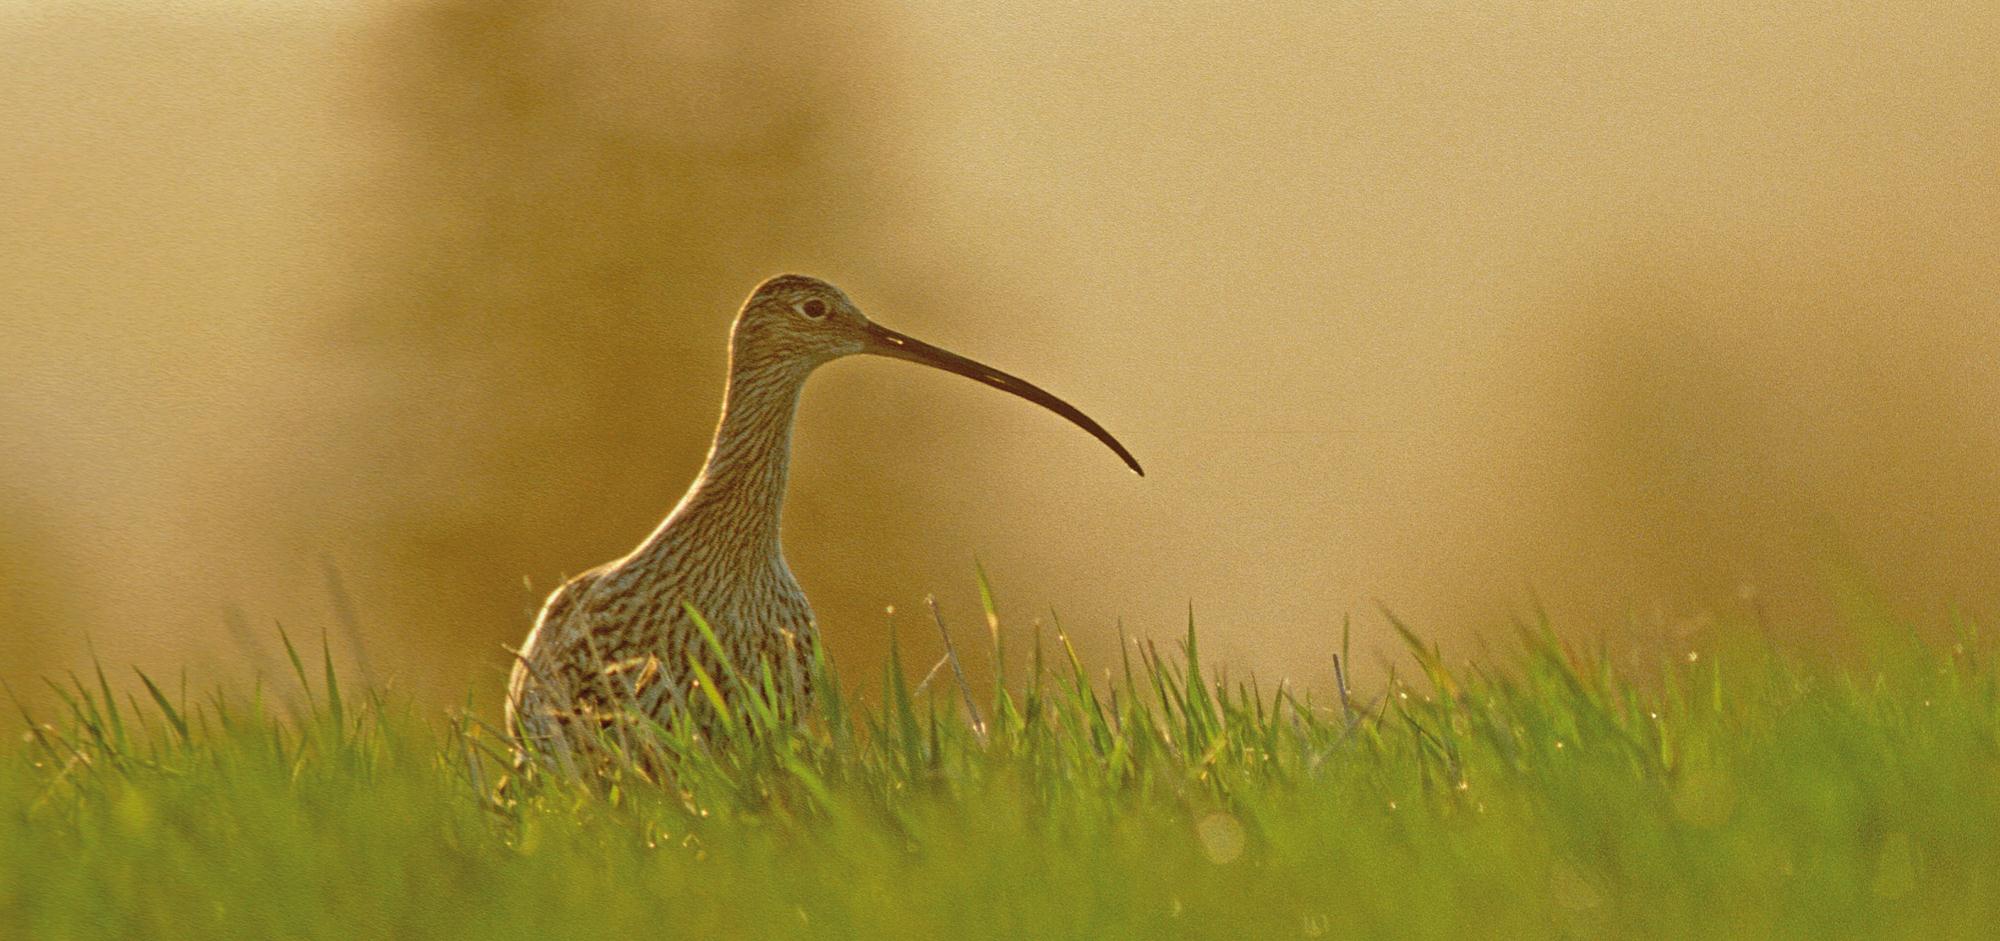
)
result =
(791, 285)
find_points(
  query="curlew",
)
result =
(620, 636)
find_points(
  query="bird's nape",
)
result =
(886, 342)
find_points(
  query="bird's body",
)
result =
(620, 636)
(621, 631)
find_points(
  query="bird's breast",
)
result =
(756, 599)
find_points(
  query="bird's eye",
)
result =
(814, 308)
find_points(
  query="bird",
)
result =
(622, 638)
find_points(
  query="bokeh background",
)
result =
(391, 313)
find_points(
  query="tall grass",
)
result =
(1738, 791)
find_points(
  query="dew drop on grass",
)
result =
(135, 812)
(1221, 837)
(1572, 890)
(1895, 867)
(1705, 796)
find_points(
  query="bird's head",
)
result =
(794, 322)
(799, 321)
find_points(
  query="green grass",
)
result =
(1745, 792)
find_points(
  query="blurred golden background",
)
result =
(413, 307)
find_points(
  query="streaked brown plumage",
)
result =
(618, 636)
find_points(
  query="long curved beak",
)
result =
(887, 342)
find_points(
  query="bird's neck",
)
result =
(735, 505)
